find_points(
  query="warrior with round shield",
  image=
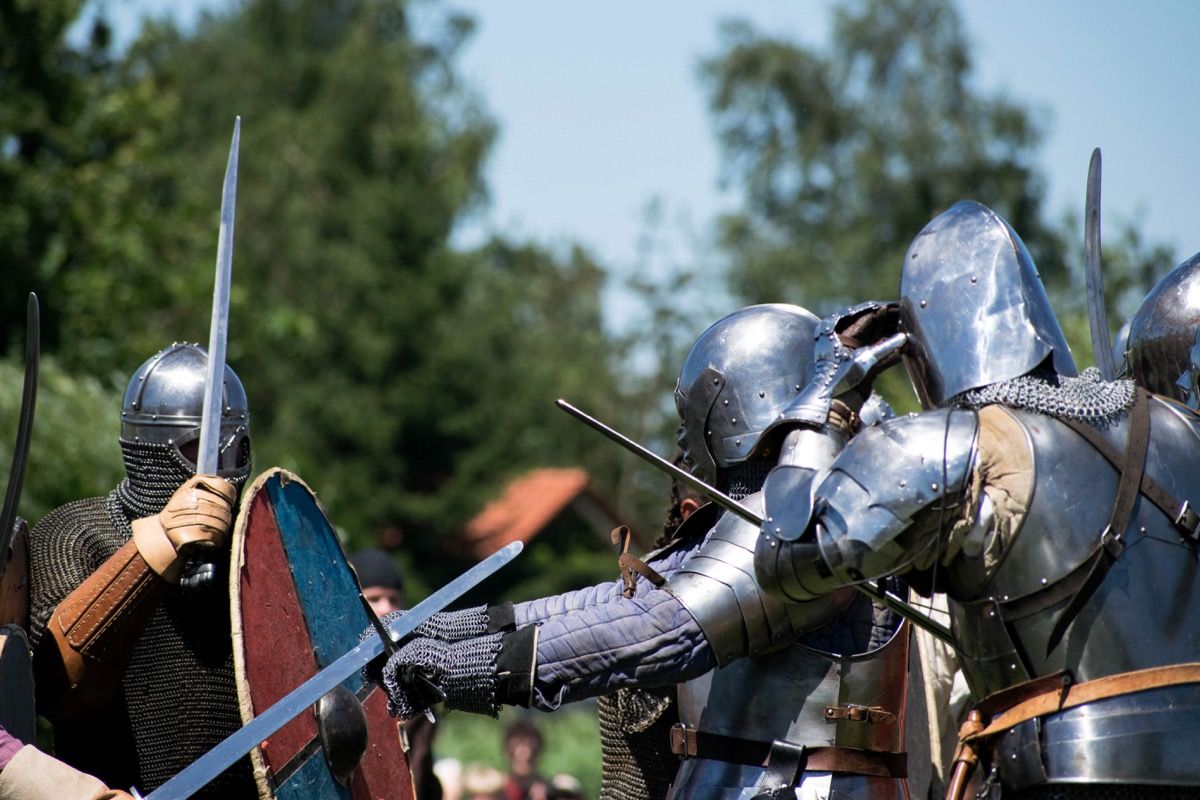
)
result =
(134, 669)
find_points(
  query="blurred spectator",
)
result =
(523, 747)
(483, 783)
(380, 580)
(383, 587)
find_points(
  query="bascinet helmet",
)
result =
(738, 377)
(974, 306)
(1163, 331)
(160, 426)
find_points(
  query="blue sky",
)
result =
(600, 110)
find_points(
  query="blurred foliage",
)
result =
(843, 153)
(73, 451)
(571, 742)
(408, 379)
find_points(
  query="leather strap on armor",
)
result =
(690, 743)
(632, 566)
(1050, 694)
(1132, 467)
(93, 629)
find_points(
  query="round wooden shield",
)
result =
(296, 609)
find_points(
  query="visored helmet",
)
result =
(1163, 331)
(974, 306)
(738, 377)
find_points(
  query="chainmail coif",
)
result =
(1087, 398)
(177, 697)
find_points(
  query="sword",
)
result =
(1097, 314)
(873, 590)
(199, 572)
(20, 456)
(193, 777)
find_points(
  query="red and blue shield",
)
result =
(296, 609)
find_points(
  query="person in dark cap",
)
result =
(383, 587)
(381, 582)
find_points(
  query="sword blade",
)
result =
(723, 500)
(20, 456)
(193, 777)
(218, 331)
(872, 590)
(1097, 313)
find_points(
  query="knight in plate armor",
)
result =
(135, 670)
(1056, 512)
(777, 697)
(1161, 352)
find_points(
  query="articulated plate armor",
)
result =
(776, 684)
(1162, 333)
(805, 696)
(1140, 615)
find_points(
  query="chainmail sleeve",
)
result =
(65, 547)
(177, 697)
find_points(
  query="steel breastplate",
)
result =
(786, 695)
(1141, 615)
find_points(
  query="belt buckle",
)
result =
(683, 740)
(1188, 520)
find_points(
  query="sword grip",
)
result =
(198, 574)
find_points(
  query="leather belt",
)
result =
(691, 743)
(1049, 694)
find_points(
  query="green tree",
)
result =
(407, 379)
(843, 153)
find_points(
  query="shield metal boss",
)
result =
(295, 609)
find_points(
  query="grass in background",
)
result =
(571, 737)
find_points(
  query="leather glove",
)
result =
(197, 517)
(426, 671)
(853, 346)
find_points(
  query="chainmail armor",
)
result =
(635, 729)
(155, 471)
(1086, 398)
(465, 671)
(448, 626)
(743, 480)
(177, 697)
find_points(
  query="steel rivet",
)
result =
(733, 420)
(974, 279)
(716, 381)
(762, 393)
(770, 519)
(778, 531)
(797, 387)
(903, 484)
(1044, 581)
(933, 486)
(737, 443)
(924, 303)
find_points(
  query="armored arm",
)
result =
(86, 638)
(882, 508)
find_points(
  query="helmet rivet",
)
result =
(924, 303)
(974, 279)
(733, 420)
(716, 381)
(762, 393)
(797, 387)
(726, 402)
(737, 443)
(933, 486)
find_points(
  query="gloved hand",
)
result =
(197, 517)
(853, 346)
(426, 671)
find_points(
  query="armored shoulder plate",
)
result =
(884, 477)
(718, 587)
